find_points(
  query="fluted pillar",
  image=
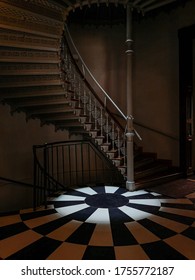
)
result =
(130, 184)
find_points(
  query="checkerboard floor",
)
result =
(102, 223)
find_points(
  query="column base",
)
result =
(130, 186)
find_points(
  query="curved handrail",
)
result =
(156, 131)
(91, 75)
(150, 129)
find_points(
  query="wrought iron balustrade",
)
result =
(61, 165)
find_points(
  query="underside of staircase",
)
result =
(38, 76)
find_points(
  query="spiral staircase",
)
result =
(40, 76)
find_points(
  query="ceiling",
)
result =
(113, 11)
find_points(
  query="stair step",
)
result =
(111, 153)
(117, 161)
(78, 130)
(66, 123)
(18, 40)
(40, 112)
(70, 125)
(159, 178)
(23, 56)
(99, 140)
(59, 116)
(87, 127)
(29, 81)
(150, 170)
(105, 147)
(26, 69)
(43, 102)
(30, 92)
(143, 161)
(122, 169)
(93, 133)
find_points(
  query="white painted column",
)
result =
(130, 184)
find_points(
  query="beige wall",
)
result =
(16, 141)
(16, 157)
(156, 95)
(17, 138)
(103, 51)
(156, 70)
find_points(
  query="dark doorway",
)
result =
(187, 98)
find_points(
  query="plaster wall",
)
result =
(16, 158)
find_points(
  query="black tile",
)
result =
(37, 214)
(82, 215)
(100, 184)
(77, 193)
(178, 218)
(106, 200)
(193, 200)
(121, 235)
(117, 216)
(142, 196)
(82, 235)
(62, 203)
(51, 226)
(14, 212)
(10, 230)
(161, 251)
(146, 208)
(189, 232)
(99, 189)
(160, 231)
(178, 206)
(99, 253)
(39, 250)
(121, 191)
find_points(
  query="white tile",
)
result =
(129, 194)
(67, 210)
(100, 216)
(155, 194)
(134, 213)
(111, 189)
(87, 190)
(152, 202)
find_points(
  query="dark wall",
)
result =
(156, 72)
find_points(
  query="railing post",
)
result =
(34, 181)
(130, 184)
(45, 176)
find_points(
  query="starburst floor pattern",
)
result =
(102, 222)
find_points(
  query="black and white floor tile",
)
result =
(102, 223)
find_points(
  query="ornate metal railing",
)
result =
(99, 121)
(61, 165)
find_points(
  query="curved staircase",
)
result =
(39, 76)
